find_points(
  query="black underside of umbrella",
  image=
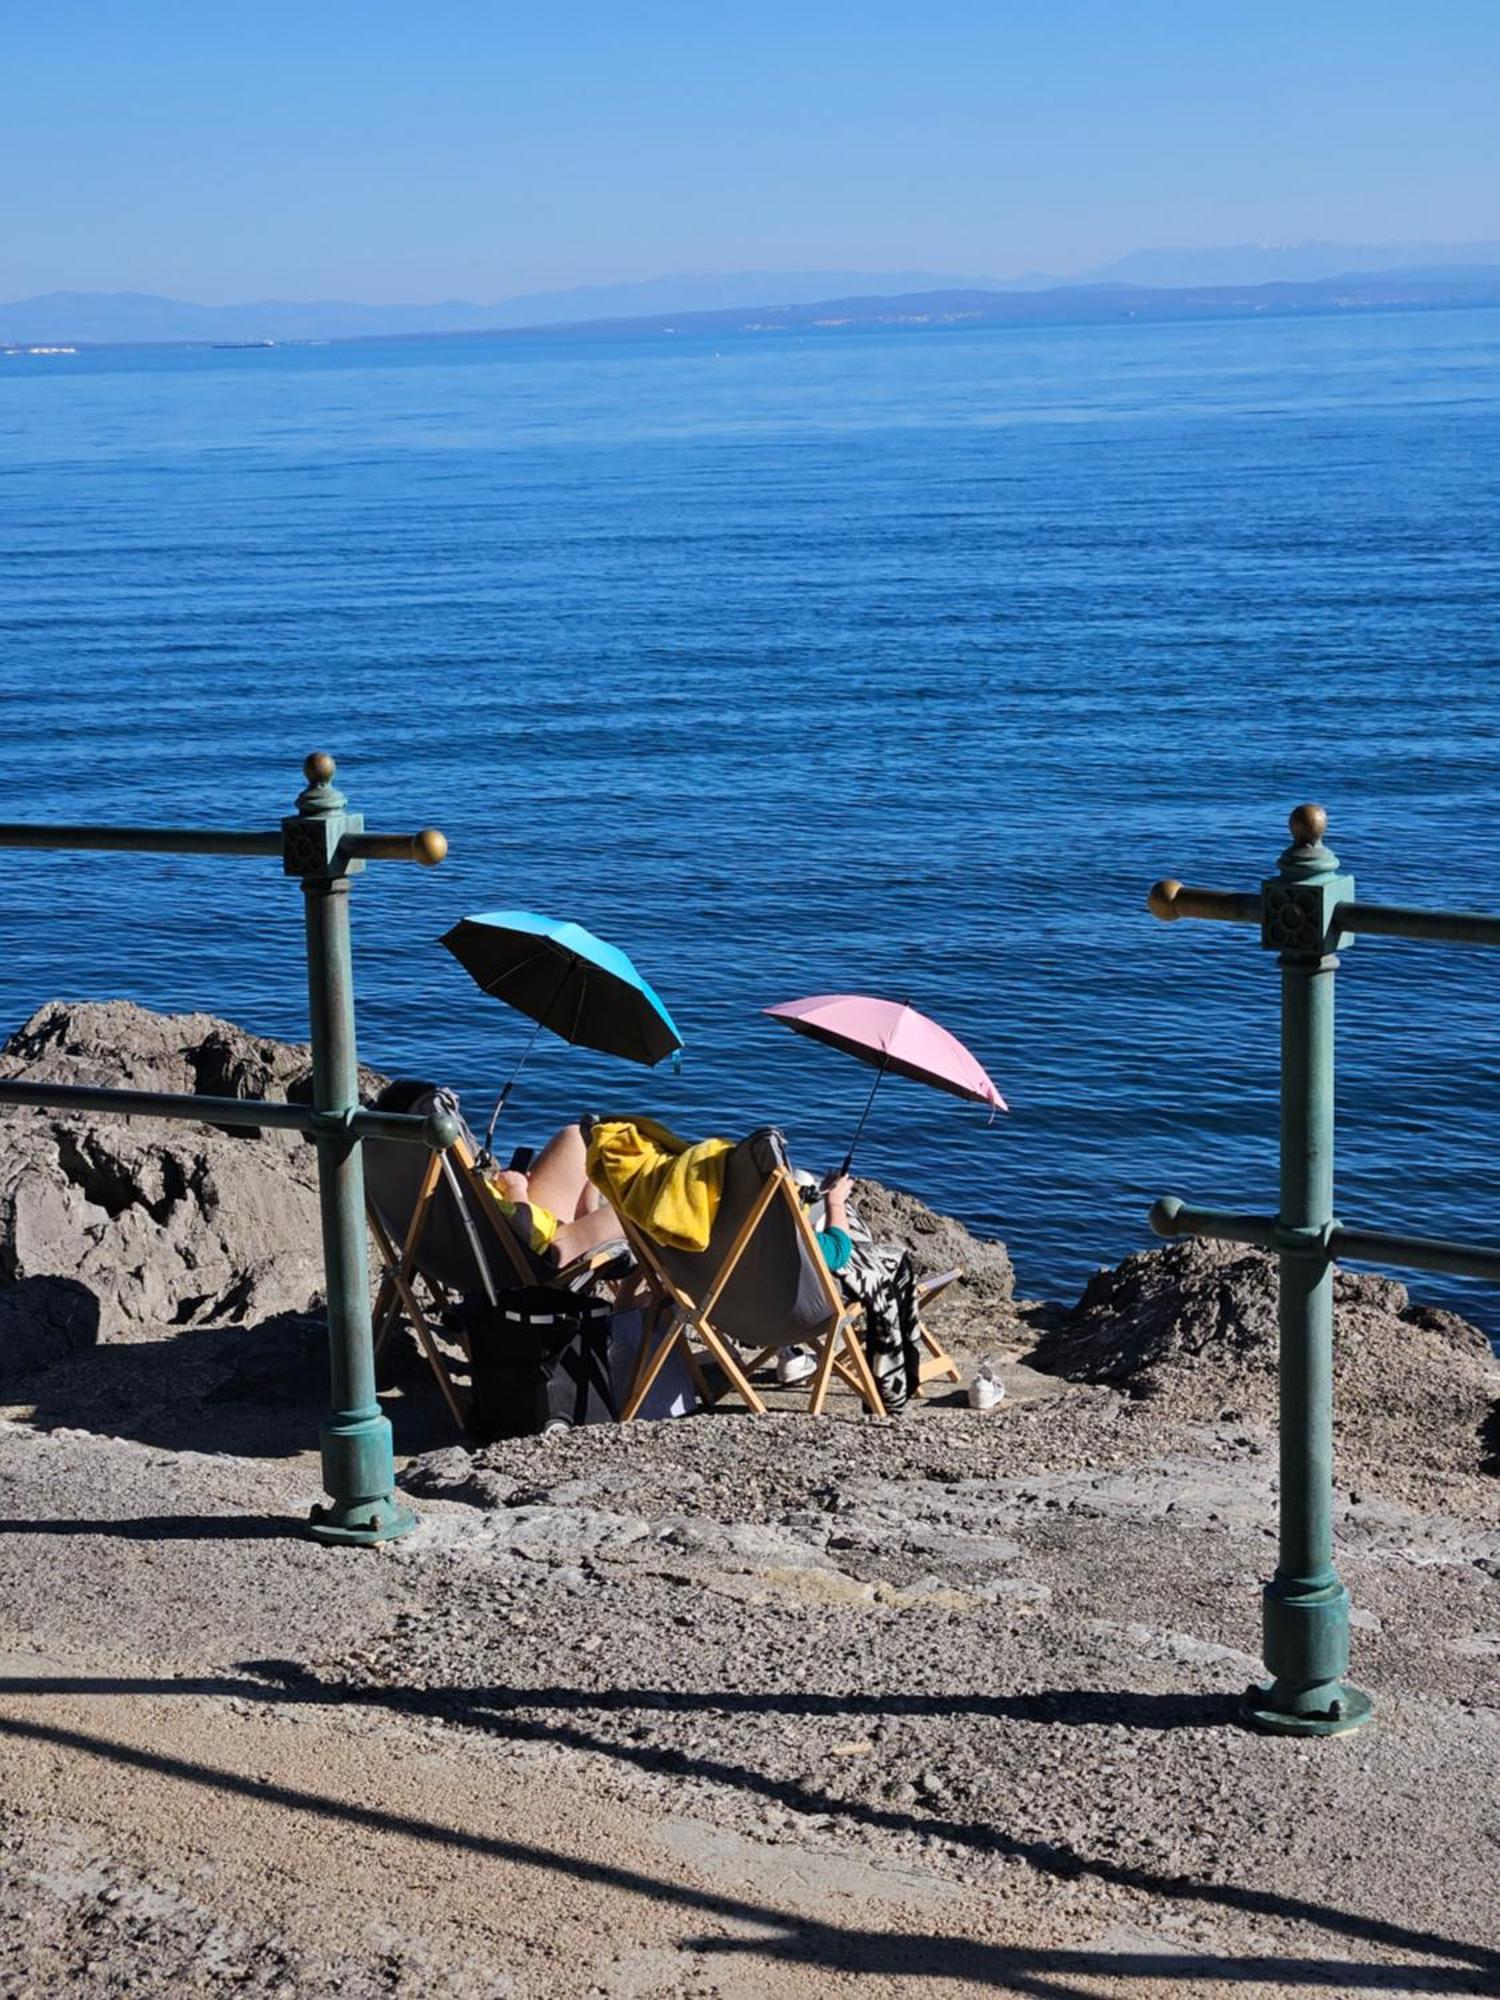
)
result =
(579, 1002)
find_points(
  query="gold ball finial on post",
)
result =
(318, 769)
(1308, 825)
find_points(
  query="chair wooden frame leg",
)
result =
(695, 1321)
(423, 1330)
(397, 1288)
(853, 1366)
(824, 1370)
(868, 1387)
(384, 1313)
(648, 1366)
(940, 1364)
(683, 1325)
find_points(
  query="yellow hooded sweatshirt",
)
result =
(669, 1189)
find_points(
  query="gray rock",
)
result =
(1193, 1327)
(163, 1224)
(42, 1320)
(938, 1243)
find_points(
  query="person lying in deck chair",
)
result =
(669, 1193)
(552, 1203)
(449, 1236)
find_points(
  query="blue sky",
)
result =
(441, 148)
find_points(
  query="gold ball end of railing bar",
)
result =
(1162, 900)
(1308, 825)
(427, 847)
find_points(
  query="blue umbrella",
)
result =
(567, 981)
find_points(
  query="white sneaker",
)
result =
(794, 1364)
(986, 1391)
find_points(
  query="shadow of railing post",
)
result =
(323, 845)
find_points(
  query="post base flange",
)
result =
(1350, 1708)
(361, 1523)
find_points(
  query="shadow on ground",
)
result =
(796, 1937)
(252, 1391)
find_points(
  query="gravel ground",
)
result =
(726, 1707)
(762, 1709)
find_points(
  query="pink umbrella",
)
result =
(890, 1035)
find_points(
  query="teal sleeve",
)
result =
(837, 1247)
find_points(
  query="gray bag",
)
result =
(672, 1394)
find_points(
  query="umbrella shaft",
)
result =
(510, 1082)
(863, 1117)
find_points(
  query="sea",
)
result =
(896, 662)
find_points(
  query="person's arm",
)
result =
(834, 1239)
(836, 1202)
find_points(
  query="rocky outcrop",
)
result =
(163, 1224)
(938, 1243)
(1194, 1328)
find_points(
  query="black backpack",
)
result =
(540, 1360)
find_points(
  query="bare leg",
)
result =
(557, 1179)
(587, 1233)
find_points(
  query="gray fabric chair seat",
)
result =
(776, 1295)
(459, 1248)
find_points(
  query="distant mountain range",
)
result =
(1322, 275)
(1070, 305)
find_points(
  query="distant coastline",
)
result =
(1436, 289)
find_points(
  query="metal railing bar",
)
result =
(1434, 926)
(427, 847)
(1413, 1253)
(1171, 1217)
(141, 840)
(1170, 900)
(437, 1130)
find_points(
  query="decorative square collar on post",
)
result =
(1300, 902)
(312, 842)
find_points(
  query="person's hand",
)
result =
(835, 1195)
(509, 1185)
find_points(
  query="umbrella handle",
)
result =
(486, 1157)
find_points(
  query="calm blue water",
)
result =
(893, 662)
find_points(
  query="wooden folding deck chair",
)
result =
(762, 1274)
(439, 1230)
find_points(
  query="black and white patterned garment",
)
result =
(881, 1276)
(884, 1280)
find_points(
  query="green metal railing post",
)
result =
(359, 1467)
(323, 845)
(1307, 914)
(1305, 1608)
